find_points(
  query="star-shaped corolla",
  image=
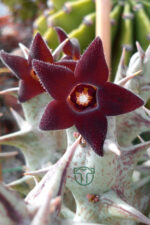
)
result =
(84, 98)
(29, 85)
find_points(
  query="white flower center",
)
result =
(83, 98)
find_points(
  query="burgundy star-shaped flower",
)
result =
(29, 85)
(84, 97)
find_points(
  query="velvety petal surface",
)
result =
(18, 65)
(71, 64)
(115, 100)
(93, 128)
(29, 89)
(61, 34)
(72, 47)
(57, 116)
(76, 48)
(39, 50)
(92, 67)
(57, 80)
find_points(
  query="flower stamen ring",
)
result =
(82, 97)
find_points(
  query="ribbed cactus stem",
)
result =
(138, 121)
(32, 108)
(116, 176)
(54, 179)
(51, 145)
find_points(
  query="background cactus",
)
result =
(127, 17)
(119, 191)
(77, 18)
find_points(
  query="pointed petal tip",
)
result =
(38, 35)
(97, 39)
(37, 38)
(4, 56)
(95, 138)
(71, 47)
(116, 100)
(40, 50)
(93, 62)
(61, 33)
(17, 64)
(140, 102)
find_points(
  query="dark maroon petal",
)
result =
(18, 65)
(57, 80)
(61, 34)
(75, 48)
(29, 89)
(93, 128)
(39, 50)
(115, 100)
(72, 47)
(68, 48)
(57, 116)
(92, 67)
(71, 64)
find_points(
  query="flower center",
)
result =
(82, 97)
(33, 75)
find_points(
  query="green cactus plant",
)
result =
(124, 15)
